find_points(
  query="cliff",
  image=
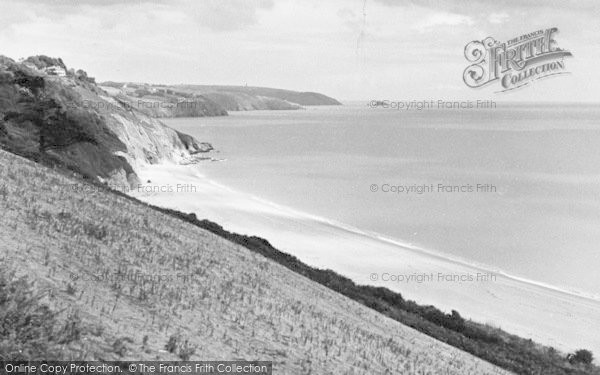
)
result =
(61, 117)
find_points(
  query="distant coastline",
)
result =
(167, 101)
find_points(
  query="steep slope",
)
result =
(66, 119)
(129, 279)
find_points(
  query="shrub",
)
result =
(96, 231)
(29, 329)
(171, 345)
(83, 76)
(186, 351)
(28, 81)
(183, 348)
(581, 356)
(120, 346)
(42, 61)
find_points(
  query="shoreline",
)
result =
(547, 314)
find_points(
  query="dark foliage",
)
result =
(29, 329)
(57, 126)
(581, 356)
(32, 82)
(83, 76)
(44, 121)
(42, 61)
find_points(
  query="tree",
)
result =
(57, 127)
(44, 113)
(42, 61)
(581, 356)
(35, 84)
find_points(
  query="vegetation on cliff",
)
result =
(39, 123)
(66, 120)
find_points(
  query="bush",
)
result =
(31, 82)
(29, 329)
(180, 346)
(171, 345)
(581, 356)
(83, 76)
(42, 61)
(120, 346)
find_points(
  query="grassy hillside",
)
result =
(107, 277)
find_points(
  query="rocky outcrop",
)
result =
(192, 145)
(68, 120)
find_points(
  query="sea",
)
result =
(514, 188)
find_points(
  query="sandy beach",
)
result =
(545, 314)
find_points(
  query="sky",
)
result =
(348, 49)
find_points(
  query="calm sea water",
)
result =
(536, 214)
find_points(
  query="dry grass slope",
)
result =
(216, 300)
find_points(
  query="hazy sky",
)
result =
(402, 49)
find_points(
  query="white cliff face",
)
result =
(148, 141)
